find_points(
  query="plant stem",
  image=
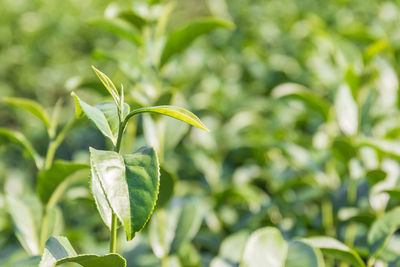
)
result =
(114, 219)
(113, 237)
(51, 151)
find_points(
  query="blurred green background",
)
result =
(301, 99)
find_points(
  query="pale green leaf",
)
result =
(346, 110)
(180, 39)
(129, 183)
(31, 106)
(96, 116)
(54, 180)
(108, 84)
(381, 231)
(336, 249)
(265, 247)
(174, 112)
(118, 27)
(59, 250)
(233, 246)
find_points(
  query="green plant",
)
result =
(124, 186)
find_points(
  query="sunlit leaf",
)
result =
(336, 249)
(19, 138)
(301, 254)
(59, 250)
(174, 112)
(31, 106)
(108, 84)
(265, 247)
(180, 39)
(96, 116)
(129, 183)
(346, 110)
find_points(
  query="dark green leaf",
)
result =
(375, 176)
(128, 184)
(180, 39)
(167, 184)
(133, 18)
(31, 106)
(52, 182)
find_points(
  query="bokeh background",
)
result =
(301, 99)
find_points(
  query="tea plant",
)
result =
(124, 186)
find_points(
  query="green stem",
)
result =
(51, 151)
(114, 219)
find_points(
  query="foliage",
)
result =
(300, 164)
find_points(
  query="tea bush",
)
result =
(299, 168)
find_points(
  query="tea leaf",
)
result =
(96, 116)
(52, 182)
(59, 250)
(129, 183)
(265, 247)
(25, 224)
(30, 106)
(301, 254)
(110, 111)
(20, 139)
(174, 112)
(381, 231)
(180, 39)
(334, 248)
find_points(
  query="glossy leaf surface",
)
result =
(180, 39)
(108, 84)
(128, 183)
